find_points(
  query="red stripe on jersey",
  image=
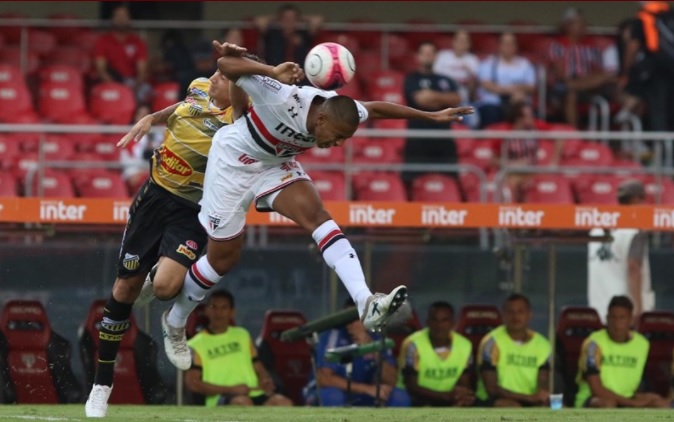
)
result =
(263, 129)
(327, 238)
(204, 280)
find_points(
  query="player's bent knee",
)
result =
(506, 403)
(241, 401)
(602, 403)
(278, 400)
(126, 290)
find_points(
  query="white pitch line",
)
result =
(37, 418)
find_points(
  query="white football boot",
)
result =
(175, 344)
(380, 307)
(97, 403)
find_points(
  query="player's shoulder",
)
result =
(459, 339)
(239, 330)
(639, 338)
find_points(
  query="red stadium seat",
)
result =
(11, 34)
(54, 184)
(113, 103)
(545, 152)
(9, 150)
(549, 189)
(24, 163)
(81, 175)
(289, 361)
(477, 152)
(73, 56)
(323, 155)
(600, 190)
(86, 39)
(367, 63)
(379, 151)
(10, 74)
(58, 147)
(61, 74)
(330, 185)
(41, 42)
(575, 324)
(391, 124)
(8, 185)
(474, 322)
(435, 188)
(628, 169)
(400, 51)
(60, 102)
(352, 89)
(197, 321)
(106, 146)
(379, 187)
(103, 186)
(36, 360)
(663, 188)
(591, 154)
(470, 184)
(15, 103)
(401, 331)
(28, 140)
(658, 328)
(12, 55)
(165, 94)
(387, 85)
(65, 34)
(136, 364)
(485, 45)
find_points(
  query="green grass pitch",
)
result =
(298, 414)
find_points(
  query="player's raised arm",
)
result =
(143, 126)
(234, 66)
(386, 110)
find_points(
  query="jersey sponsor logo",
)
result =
(59, 211)
(25, 310)
(247, 160)
(173, 163)
(367, 214)
(439, 215)
(271, 84)
(592, 217)
(224, 349)
(198, 92)
(131, 262)
(663, 218)
(212, 126)
(619, 361)
(516, 216)
(182, 249)
(192, 245)
(286, 177)
(441, 373)
(288, 132)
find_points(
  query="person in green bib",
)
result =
(514, 361)
(225, 367)
(612, 361)
(435, 362)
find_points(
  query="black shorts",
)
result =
(257, 400)
(159, 225)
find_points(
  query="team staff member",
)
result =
(612, 363)
(435, 362)
(514, 361)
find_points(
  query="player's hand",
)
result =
(228, 49)
(451, 114)
(384, 391)
(542, 397)
(239, 390)
(137, 132)
(267, 385)
(288, 73)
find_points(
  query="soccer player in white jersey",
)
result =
(253, 162)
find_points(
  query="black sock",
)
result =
(114, 325)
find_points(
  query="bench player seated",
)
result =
(612, 362)
(225, 365)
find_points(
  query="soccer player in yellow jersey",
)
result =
(612, 361)
(225, 367)
(163, 223)
(513, 360)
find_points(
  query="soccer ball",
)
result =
(329, 66)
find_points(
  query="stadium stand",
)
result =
(379, 187)
(287, 362)
(574, 325)
(34, 358)
(136, 367)
(435, 187)
(474, 322)
(330, 185)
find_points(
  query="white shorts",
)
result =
(235, 177)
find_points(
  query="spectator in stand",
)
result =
(429, 91)
(225, 366)
(136, 156)
(233, 36)
(514, 361)
(330, 385)
(121, 56)
(612, 361)
(435, 362)
(503, 78)
(460, 65)
(577, 68)
(521, 152)
(288, 36)
(177, 59)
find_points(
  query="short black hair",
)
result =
(254, 57)
(514, 297)
(343, 109)
(426, 42)
(514, 111)
(223, 294)
(287, 7)
(621, 302)
(440, 304)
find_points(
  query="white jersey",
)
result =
(608, 273)
(277, 120)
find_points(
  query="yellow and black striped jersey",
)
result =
(179, 164)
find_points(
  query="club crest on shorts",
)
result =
(192, 244)
(131, 262)
(214, 221)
